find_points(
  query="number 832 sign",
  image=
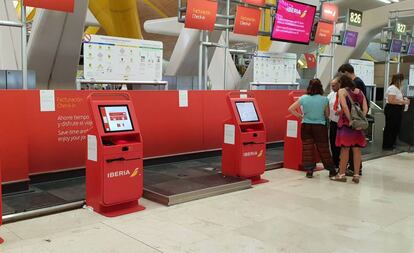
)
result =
(355, 18)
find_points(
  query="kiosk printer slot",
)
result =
(114, 167)
(244, 146)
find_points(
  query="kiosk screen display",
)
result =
(411, 49)
(116, 118)
(293, 22)
(247, 112)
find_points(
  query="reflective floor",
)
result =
(288, 214)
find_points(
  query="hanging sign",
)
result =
(201, 14)
(330, 12)
(247, 21)
(400, 28)
(61, 5)
(324, 33)
(255, 2)
(310, 61)
(355, 18)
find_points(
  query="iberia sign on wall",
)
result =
(247, 21)
(57, 5)
(324, 33)
(310, 61)
(201, 14)
(330, 12)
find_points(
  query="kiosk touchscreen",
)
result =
(114, 166)
(244, 146)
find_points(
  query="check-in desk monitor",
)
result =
(116, 118)
(247, 112)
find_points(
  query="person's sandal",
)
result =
(339, 178)
(355, 179)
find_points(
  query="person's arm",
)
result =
(365, 106)
(327, 112)
(293, 109)
(392, 99)
(342, 101)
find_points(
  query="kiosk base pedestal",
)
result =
(258, 180)
(118, 210)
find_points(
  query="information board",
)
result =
(364, 70)
(274, 68)
(122, 59)
(411, 80)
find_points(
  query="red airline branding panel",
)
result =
(247, 21)
(201, 14)
(57, 5)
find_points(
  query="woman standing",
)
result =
(347, 137)
(393, 111)
(314, 131)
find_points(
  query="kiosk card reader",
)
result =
(114, 166)
(244, 146)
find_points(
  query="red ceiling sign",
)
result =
(247, 21)
(201, 14)
(310, 61)
(324, 33)
(57, 5)
(330, 12)
(255, 2)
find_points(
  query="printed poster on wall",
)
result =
(276, 68)
(324, 33)
(61, 5)
(247, 21)
(122, 59)
(201, 14)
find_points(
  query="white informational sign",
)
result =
(292, 129)
(364, 70)
(122, 59)
(47, 100)
(92, 148)
(183, 98)
(411, 80)
(274, 68)
(229, 134)
(116, 118)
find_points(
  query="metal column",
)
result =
(226, 49)
(24, 45)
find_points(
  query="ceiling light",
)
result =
(385, 1)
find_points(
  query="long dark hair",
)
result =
(397, 80)
(346, 82)
(315, 87)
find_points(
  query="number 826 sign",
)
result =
(354, 18)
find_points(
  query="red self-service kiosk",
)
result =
(114, 166)
(244, 146)
(293, 141)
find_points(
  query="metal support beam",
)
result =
(24, 45)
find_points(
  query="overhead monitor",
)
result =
(396, 46)
(116, 118)
(411, 49)
(350, 38)
(293, 22)
(247, 111)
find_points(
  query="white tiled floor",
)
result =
(288, 214)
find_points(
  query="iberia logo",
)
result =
(260, 154)
(304, 14)
(135, 173)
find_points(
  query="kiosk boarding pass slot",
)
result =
(114, 177)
